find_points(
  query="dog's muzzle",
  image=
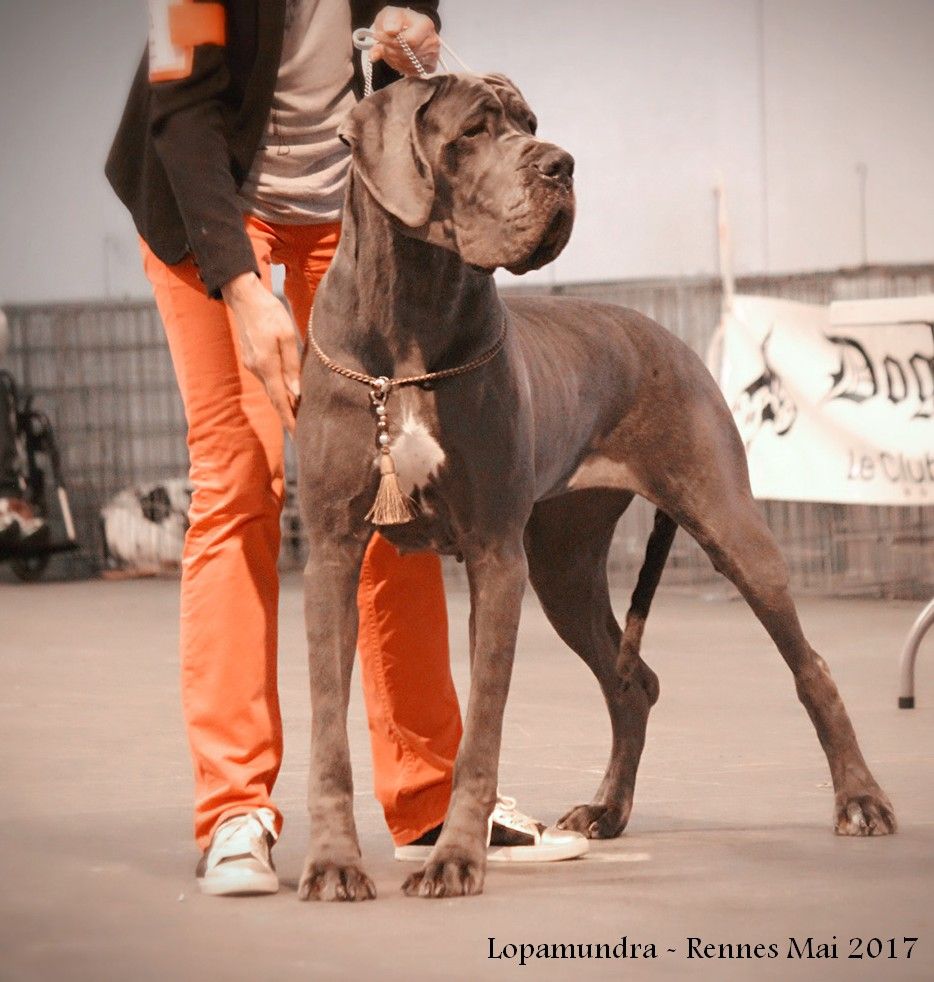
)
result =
(551, 192)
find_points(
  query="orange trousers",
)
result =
(230, 587)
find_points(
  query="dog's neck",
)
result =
(408, 306)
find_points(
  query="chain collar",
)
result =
(381, 385)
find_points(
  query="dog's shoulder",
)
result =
(579, 314)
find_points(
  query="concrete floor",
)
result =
(730, 841)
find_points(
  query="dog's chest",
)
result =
(422, 467)
(417, 454)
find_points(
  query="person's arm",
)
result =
(189, 132)
(268, 343)
(187, 85)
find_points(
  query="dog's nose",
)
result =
(556, 164)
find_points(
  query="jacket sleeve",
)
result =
(189, 130)
(429, 8)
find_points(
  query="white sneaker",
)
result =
(238, 861)
(513, 838)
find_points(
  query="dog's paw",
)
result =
(596, 821)
(866, 812)
(325, 880)
(450, 876)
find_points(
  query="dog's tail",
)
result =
(656, 555)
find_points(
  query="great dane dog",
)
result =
(522, 466)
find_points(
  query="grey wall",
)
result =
(784, 97)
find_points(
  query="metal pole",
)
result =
(763, 139)
(862, 171)
(724, 245)
(906, 690)
(105, 245)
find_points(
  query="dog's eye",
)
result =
(476, 129)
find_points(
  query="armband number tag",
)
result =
(176, 28)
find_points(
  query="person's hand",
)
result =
(268, 342)
(420, 35)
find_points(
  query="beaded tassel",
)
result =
(392, 505)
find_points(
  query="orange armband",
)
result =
(176, 28)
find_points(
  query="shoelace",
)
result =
(506, 806)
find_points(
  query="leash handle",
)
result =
(364, 38)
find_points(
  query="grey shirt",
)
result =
(299, 172)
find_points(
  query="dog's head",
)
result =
(455, 161)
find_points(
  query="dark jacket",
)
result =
(183, 148)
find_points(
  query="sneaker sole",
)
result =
(549, 853)
(248, 884)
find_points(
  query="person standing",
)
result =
(228, 159)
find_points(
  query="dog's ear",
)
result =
(383, 131)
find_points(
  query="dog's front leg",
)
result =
(457, 864)
(332, 868)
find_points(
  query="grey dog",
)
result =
(522, 467)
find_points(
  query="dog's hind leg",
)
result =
(567, 542)
(729, 527)
(656, 555)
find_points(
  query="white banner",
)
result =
(834, 403)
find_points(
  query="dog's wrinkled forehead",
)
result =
(465, 93)
(513, 100)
